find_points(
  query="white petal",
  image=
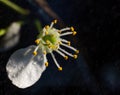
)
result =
(24, 69)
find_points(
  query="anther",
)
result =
(44, 52)
(72, 29)
(34, 53)
(47, 42)
(55, 21)
(46, 64)
(77, 51)
(60, 68)
(37, 41)
(75, 56)
(66, 57)
(69, 43)
(74, 33)
(59, 31)
(47, 27)
(46, 32)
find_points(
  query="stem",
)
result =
(15, 7)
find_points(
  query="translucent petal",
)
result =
(24, 69)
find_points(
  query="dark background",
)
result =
(97, 69)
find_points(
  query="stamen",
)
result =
(67, 33)
(53, 22)
(66, 57)
(55, 61)
(65, 29)
(46, 64)
(65, 52)
(35, 51)
(70, 47)
(68, 42)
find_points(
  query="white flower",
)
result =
(24, 69)
(50, 39)
(11, 37)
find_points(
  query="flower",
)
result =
(50, 39)
(24, 69)
(10, 36)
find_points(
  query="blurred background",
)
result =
(97, 69)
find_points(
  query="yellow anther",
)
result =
(46, 32)
(37, 41)
(77, 51)
(66, 57)
(59, 31)
(75, 56)
(44, 52)
(55, 21)
(59, 42)
(60, 68)
(72, 28)
(47, 42)
(69, 43)
(34, 53)
(74, 32)
(50, 46)
(47, 27)
(46, 64)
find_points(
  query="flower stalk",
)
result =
(15, 7)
